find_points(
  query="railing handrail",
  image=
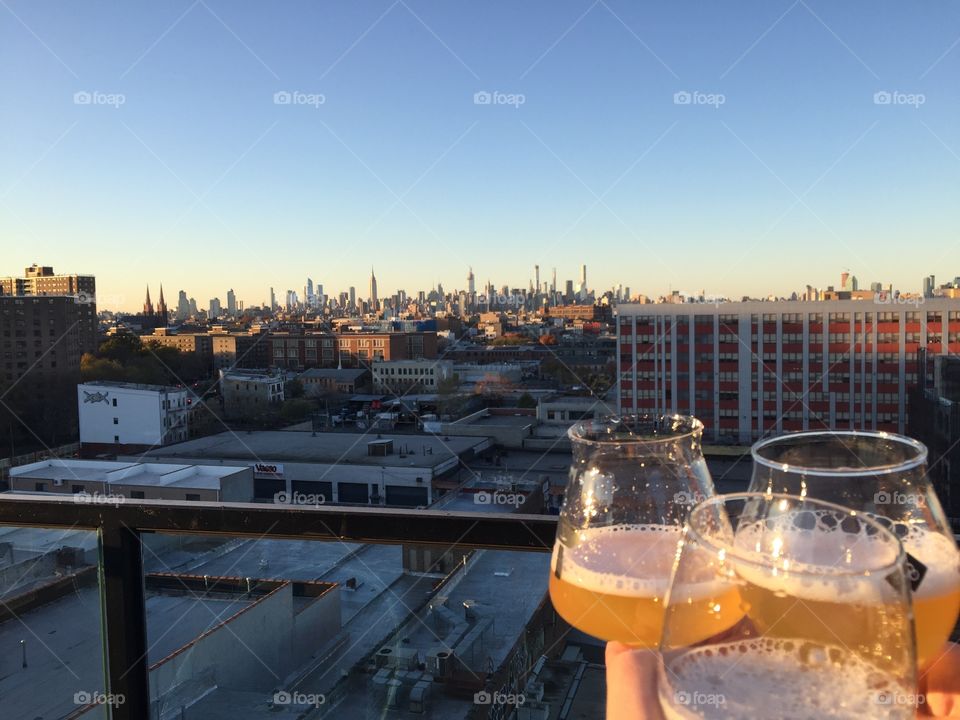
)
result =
(359, 524)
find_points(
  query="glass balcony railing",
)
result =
(202, 610)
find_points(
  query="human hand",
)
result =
(940, 685)
(632, 683)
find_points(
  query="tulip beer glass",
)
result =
(826, 627)
(884, 475)
(632, 482)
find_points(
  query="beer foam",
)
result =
(626, 560)
(939, 553)
(789, 679)
(815, 559)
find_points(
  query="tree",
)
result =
(123, 348)
(527, 401)
(295, 410)
(94, 368)
(293, 389)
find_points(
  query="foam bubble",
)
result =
(626, 560)
(788, 679)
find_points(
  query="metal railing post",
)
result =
(124, 622)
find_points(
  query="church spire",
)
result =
(147, 305)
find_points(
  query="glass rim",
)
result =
(741, 557)
(577, 433)
(919, 458)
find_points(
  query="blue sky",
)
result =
(782, 170)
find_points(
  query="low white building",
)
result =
(130, 417)
(401, 376)
(99, 481)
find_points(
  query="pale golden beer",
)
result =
(936, 602)
(809, 596)
(611, 585)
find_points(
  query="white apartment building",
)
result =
(400, 376)
(127, 417)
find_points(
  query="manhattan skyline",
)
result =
(208, 146)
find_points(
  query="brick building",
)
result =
(754, 368)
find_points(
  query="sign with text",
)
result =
(268, 471)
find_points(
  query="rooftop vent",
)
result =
(380, 448)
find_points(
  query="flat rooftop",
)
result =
(333, 447)
(133, 386)
(516, 421)
(204, 477)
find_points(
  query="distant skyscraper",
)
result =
(353, 297)
(583, 278)
(374, 301)
(215, 310)
(536, 273)
(273, 300)
(929, 283)
(231, 302)
(471, 283)
(183, 306)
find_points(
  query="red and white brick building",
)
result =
(748, 369)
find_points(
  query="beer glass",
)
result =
(632, 482)
(826, 628)
(884, 475)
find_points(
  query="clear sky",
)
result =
(178, 166)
